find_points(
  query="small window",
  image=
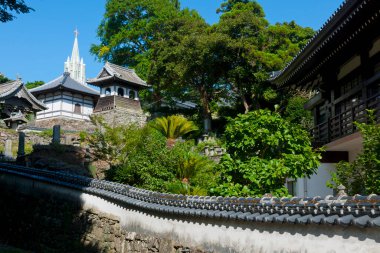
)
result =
(108, 91)
(120, 92)
(291, 186)
(77, 109)
(132, 94)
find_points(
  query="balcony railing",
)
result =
(342, 124)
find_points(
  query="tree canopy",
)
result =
(3, 79)
(129, 28)
(8, 9)
(183, 57)
(31, 85)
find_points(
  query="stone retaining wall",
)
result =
(66, 124)
(122, 116)
(148, 229)
(46, 221)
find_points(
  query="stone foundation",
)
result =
(66, 124)
(122, 116)
(50, 224)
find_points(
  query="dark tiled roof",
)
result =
(67, 82)
(118, 72)
(346, 24)
(13, 88)
(8, 88)
(362, 211)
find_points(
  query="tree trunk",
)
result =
(206, 109)
(245, 103)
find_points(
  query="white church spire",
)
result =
(75, 65)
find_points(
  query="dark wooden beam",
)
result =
(334, 156)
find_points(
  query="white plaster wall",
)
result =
(219, 235)
(316, 184)
(67, 106)
(87, 109)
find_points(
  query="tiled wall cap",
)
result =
(266, 209)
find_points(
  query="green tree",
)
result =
(184, 58)
(296, 113)
(362, 176)
(129, 28)
(229, 4)
(3, 79)
(35, 84)
(263, 150)
(193, 66)
(8, 8)
(256, 48)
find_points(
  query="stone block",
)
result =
(130, 236)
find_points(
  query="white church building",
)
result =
(68, 97)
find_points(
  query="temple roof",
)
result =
(346, 24)
(111, 72)
(17, 89)
(65, 82)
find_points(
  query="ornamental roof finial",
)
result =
(76, 32)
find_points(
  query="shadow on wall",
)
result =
(45, 224)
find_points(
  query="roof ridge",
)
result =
(346, 4)
(45, 84)
(10, 86)
(122, 67)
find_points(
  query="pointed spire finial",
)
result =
(76, 32)
(75, 65)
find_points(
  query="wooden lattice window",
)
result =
(77, 109)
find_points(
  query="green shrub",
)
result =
(362, 176)
(141, 157)
(263, 150)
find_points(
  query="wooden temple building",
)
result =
(119, 101)
(341, 65)
(66, 98)
(16, 102)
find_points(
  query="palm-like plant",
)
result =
(173, 127)
(193, 174)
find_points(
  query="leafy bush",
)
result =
(264, 149)
(363, 175)
(149, 164)
(141, 157)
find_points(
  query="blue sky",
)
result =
(35, 45)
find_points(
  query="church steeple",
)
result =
(75, 52)
(75, 65)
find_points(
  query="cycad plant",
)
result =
(194, 175)
(173, 127)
